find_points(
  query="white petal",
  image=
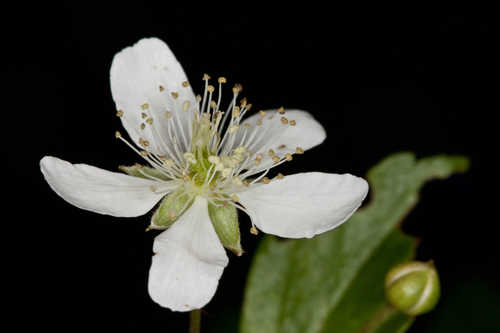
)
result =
(188, 262)
(304, 205)
(98, 190)
(147, 74)
(282, 138)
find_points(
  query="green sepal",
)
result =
(170, 209)
(133, 170)
(225, 221)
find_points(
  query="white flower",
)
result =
(202, 156)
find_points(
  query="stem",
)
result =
(195, 321)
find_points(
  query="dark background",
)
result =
(381, 80)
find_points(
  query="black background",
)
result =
(381, 80)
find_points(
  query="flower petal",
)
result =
(304, 205)
(188, 262)
(282, 133)
(144, 79)
(98, 190)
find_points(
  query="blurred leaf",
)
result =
(335, 281)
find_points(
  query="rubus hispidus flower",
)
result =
(204, 163)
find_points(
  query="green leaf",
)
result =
(225, 221)
(335, 281)
(142, 171)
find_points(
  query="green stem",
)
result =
(195, 321)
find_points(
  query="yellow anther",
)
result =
(249, 106)
(235, 198)
(237, 88)
(276, 159)
(246, 125)
(293, 122)
(143, 126)
(145, 143)
(222, 80)
(288, 157)
(281, 146)
(299, 150)
(118, 135)
(213, 105)
(257, 162)
(185, 106)
(198, 98)
(236, 112)
(280, 176)
(185, 84)
(284, 120)
(168, 114)
(161, 88)
(265, 180)
(259, 156)
(144, 153)
(281, 110)
(148, 229)
(119, 113)
(270, 152)
(243, 102)
(211, 88)
(149, 121)
(254, 231)
(143, 115)
(245, 183)
(206, 77)
(174, 94)
(262, 113)
(145, 106)
(259, 122)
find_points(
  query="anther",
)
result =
(293, 122)
(149, 121)
(237, 88)
(262, 113)
(143, 126)
(270, 152)
(236, 112)
(259, 122)
(145, 143)
(280, 176)
(282, 146)
(233, 129)
(213, 105)
(284, 120)
(119, 113)
(206, 77)
(243, 102)
(175, 94)
(281, 110)
(143, 115)
(222, 80)
(211, 88)
(299, 150)
(276, 159)
(235, 198)
(168, 114)
(161, 88)
(288, 157)
(265, 180)
(185, 84)
(118, 134)
(254, 231)
(185, 106)
(198, 98)
(249, 106)
(144, 153)
(145, 106)
(246, 125)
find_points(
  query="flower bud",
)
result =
(413, 287)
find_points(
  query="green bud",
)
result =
(225, 221)
(138, 170)
(171, 208)
(413, 287)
